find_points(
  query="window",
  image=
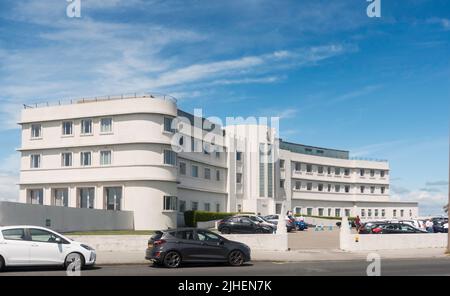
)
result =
(363, 212)
(182, 168)
(86, 198)
(238, 156)
(337, 171)
(320, 211)
(207, 236)
(35, 161)
(362, 188)
(402, 212)
(36, 131)
(337, 188)
(369, 212)
(347, 172)
(394, 213)
(383, 189)
(347, 188)
(298, 166)
(383, 212)
(376, 212)
(308, 186)
(337, 212)
(105, 157)
(329, 212)
(170, 203)
(281, 163)
(309, 211)
(320, 170)
(298, 211)
(382, 174)
(67, 128)
(182, 206)
(308, 168)
(207, 206)
(194, 206)
(61, 197)
(186, 235)
(86, 126)
(170, 157)
(113, 198)
(361, 172)
(372, 189)
(372, 173)
(320, 187)
(217, 154)
(329, 170)
(42, 236)
(329, 188)
(106, 125)
(207, 173)
(298, 185)
(36, 196)
(347, 212)
(218, 207)
(282, 183)
(66, 159)
(217, 175)
(86, 158)
(410, 213)
(239, 208)
(14, 234)
(206, 148)
(194, 171)
(168, 125)
(239, 178)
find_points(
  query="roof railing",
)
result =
(368, 159)
(101, 98)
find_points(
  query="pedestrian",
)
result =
(429, 226)
(357, 223)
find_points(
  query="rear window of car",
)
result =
(14, 234)
(185, 234)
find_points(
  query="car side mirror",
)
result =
(221, 242)
(58, 240)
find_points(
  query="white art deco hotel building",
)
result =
(115, 154)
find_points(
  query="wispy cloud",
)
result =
(437, 183)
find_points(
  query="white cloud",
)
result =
(9, 190)
(430, 203)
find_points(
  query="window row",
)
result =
(67, 159)
(337, 171)
(67, 127)
(367, 213)
(85, 197)
(309, 186)
(171, 203)
(195, 172)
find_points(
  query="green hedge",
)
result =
(192, 217)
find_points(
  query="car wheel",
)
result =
(236, 258)
(2, 264)
(74, 258)
(172, 260)
(225, 230)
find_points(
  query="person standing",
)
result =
(357, 223)
(429, 226)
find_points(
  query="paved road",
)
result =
(435, 266)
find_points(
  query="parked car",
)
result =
(257, 219)
(397, 228)
(301, 225)
(238, 224)
(440, 226)
(368, 227)
(290, 222)
(173, 247)
(36, 246)
(415, 223)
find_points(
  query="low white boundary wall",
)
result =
(266, 242)
(114, 243)
(373, 242)
(64, 219)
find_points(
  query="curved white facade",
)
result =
(116, 155)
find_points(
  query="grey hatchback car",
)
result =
(173, 247)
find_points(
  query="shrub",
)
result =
(192, 217)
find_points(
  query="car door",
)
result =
(187, 244)
(212, 247)
(247, 226)
(15, 247)
(44, 249)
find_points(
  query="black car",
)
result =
(438, 226)
(397, 228)
(239, 224)
(175, 246)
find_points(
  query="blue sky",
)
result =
(378, 87)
